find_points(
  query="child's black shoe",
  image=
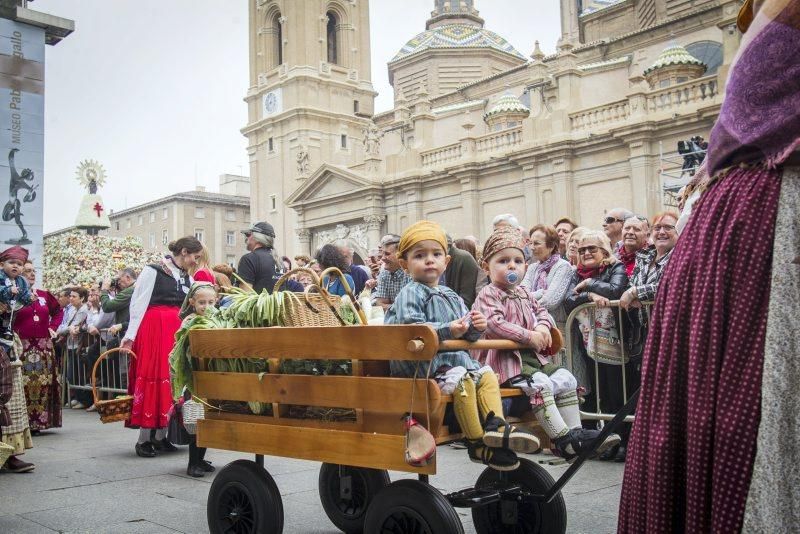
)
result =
(570, 446)
(498, 459)
(500, 435)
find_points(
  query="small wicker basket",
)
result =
(192, 412)
(111, 410)
(318, 308)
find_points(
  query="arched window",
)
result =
(277, 40)
(709, 52)
(333, 51)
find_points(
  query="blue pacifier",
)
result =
(512, 277)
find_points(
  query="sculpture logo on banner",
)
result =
(21, 136)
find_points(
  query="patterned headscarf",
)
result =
(14, 253)
(421, 231)
(503, 237)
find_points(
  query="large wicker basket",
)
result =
(316, 306)
(111, 410)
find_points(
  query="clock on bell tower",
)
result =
(309, 99)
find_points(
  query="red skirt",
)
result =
(148, 373)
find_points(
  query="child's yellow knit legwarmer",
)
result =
(489, 396)
(465, 407)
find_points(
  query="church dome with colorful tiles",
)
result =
(674, 65)
(456, 36)
(674, 55)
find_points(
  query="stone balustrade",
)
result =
(503, 139)
(605, 115)
(442, 155)
(691, 93)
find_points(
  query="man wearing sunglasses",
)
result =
(612, 224)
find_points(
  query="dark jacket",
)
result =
(119, 304)
(461, 274)
(258, 269)
(611, 284)
(360, 278)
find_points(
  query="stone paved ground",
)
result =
(88, 479)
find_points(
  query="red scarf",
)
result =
(590, 272)
(627, 258)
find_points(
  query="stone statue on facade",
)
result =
(303, 161)
(372, 140)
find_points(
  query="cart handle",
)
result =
(417, 345)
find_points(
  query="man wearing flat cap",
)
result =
(260, 267)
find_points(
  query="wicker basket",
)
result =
(192, 412)
(316, 306)
(112, 410)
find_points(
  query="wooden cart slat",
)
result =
(391, 395)
(360, 449)
(324, 342)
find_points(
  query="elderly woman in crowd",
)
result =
(600, 278)
(635, 231)
(549, 277)
(36, 325)
(564, 227)
(573, 241)
(156, 301)
(651, 261)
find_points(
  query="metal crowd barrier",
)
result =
(112, 373)
(597, 389)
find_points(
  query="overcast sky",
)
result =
(153, 90)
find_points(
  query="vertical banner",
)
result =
(22, 137)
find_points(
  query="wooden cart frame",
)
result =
(355, 489)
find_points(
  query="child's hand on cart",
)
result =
(474, 318)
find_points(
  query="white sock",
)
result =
(549, 416)
(161, 433)
(144, 435)
(569, 409)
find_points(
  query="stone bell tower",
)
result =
(310, 98)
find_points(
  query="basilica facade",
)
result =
(477, 128)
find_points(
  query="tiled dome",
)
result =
(507, 104)
(673, 55)
(456, 36)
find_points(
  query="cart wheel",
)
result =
(346, 493)
(244, 499)
(411, 507)
(530, 517)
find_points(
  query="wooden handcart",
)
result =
(354, 485)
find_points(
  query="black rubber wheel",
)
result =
(346, 507)
(244, 499)
(532, 517)
(411, 507)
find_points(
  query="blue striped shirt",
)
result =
(437, 306)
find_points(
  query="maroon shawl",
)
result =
(760, 117)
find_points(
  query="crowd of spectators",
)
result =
(566, 265)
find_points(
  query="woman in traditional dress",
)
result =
(155, 303)
(714, 445)
(36, 325)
